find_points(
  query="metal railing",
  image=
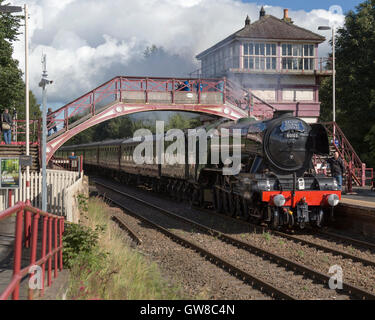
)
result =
(265, 64)
(26, 234)
(135, 90)
(19, 131)
(142, 90)
(355, 167)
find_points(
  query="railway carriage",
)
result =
(277, 183)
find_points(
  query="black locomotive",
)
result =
(276, 183)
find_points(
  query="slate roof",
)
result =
(270, 27)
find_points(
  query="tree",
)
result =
(124, 127)
(179, 121)
(355, 52)
(12, 87)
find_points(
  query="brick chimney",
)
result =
(286, 16)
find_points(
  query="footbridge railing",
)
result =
(29, 232)
(126, 95)
(361, 175)
(247, 100)
(138, 90)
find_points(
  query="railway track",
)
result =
(298, 239)
(252, 249)
(348, 240)
(123, 225)
(224, 264)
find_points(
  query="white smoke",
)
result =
(88, 42)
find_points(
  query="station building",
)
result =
(276, 60)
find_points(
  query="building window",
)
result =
(298, 56)
(260, 56)
(291, 94)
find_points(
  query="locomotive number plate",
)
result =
(292, 135)
(292, 125)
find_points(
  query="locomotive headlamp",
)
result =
(279, 200)
(333, 200)
(335, 184)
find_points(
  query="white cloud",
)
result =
(89, 41)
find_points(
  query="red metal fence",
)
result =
(355, 167)
(19, 131)
(26, 235)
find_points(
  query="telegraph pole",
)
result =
(43, 83)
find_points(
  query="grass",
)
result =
(351, 249)
(113, 270)
(301, 253)
(267, 236)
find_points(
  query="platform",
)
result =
(356, 213)
(362, 197)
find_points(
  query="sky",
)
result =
(88, 42)
(310, 5)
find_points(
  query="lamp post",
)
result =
(333, 70)
(43, 83)
(27, 99)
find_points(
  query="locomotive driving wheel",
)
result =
(198, 197)
(226, 204)
(218, 200)
(239, 206)
(245, 209)
(232, 204)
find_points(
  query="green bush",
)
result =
(79, 240)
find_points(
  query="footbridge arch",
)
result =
(127, 95)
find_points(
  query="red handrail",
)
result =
(24, 212)
(19, 129)
(354, 165)
(114, 89)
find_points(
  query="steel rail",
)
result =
(123, 225)
(307, 242)
(349, 240)
(325, 248)
(220, 262)
(351, 289)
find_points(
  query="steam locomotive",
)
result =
(277, 183)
